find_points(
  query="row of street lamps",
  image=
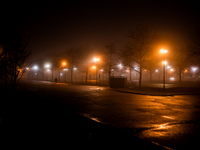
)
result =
(96, 61)
(64, 65)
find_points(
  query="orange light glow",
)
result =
(96, 59)
(63, 63)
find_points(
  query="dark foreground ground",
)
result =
(29, 120)
(42, 114)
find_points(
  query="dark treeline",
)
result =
(141, 50)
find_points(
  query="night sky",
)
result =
(57, 26)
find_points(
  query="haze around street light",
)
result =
(47, 65)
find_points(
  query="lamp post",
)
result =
(48, 66)
(163, 52)
(96, 60)
(35, 67)
(62, 66)
(194, 69)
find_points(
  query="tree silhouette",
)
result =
(14, 56)
(138, 47)
(109, 59)
(181, 59)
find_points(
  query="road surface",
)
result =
(170, 121)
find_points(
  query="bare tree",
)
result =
(109, 59)
(181, 59)
(139, 46)
(127, 58)
(150, 64)
(74, 57)
(194, 42)
(14, 56)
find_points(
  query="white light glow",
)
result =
(47, 66)
(35, 67)
(120, 66)
(168, 67)
(164, 62)
(163, 51)
(194, 69)
(96, 59)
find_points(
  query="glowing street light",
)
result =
(185, 71)
(35, 67)
(163, 51)
(164, 62)
(168, 67)
(63, 63)
(47, 66)
(96, 60)
(194, 69)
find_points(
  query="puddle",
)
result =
(168, 117)
(92, 118)
(158, 130)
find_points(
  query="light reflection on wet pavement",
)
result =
(172, 121)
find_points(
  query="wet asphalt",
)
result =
(44, 114)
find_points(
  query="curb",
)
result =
(156, 94)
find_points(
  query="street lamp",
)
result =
(63, 64)
(47, 66)
(35, 67)
(96, 60)
(194, 69)
(163, 52)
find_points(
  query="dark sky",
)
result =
(56, 26)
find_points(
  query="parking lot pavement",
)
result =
(30, 122)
